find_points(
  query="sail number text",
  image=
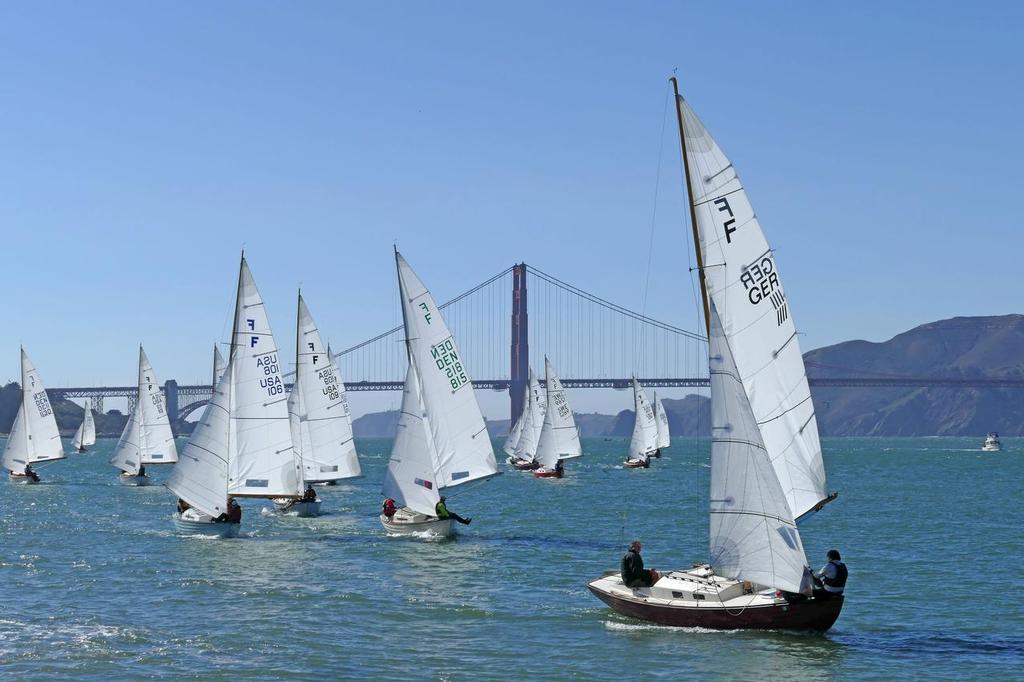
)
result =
(271, 380)
(42, 403)
(447, 360)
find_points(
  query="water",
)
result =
(96, 585)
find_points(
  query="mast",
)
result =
(693, 212)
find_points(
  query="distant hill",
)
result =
(960, 347)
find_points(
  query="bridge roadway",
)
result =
(190, 397)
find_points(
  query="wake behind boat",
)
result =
(766, 465)
(441, 441)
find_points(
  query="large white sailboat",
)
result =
(766, 465)
(147, 437)
(34, 435)
(442, 441)
(559, 437)
(242, 445)
(86, 433)
(319, 416)
(644, 442)
(525, 456)
(661, 419)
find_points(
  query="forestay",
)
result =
(462, 444)
(517, 431)
(86, 433)
(661, 420)
(34, 436)
(533, 420)
(742, 280)
(263, 464)
(321, 424)
(753, 535)
(645, 429)
(410, 479)
(200, 476)
(157, 439)
(559, 438)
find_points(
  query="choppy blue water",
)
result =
(94, 584)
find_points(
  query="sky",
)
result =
(142, 145)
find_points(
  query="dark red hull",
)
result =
(547, 474)
(630, 465)
(813, 614)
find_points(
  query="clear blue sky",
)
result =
(141, 144)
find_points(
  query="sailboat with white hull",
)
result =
(766, 466)
(319, 417)
(147, 437)
(34, 435)
(644, 442)
(524, 457)
(86, 433)
(559, 438)
(442, 441)
(516, 432)
(242, 445)
(661, 420)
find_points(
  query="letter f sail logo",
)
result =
(253, 340)
(426, 314)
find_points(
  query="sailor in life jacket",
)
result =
(831, 579)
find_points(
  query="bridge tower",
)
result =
(171, 398)
(520, 369)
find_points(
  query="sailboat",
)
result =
(559, 438)
(661, 420)
(147, 437)
(644, 442)
(242, 445)
(86, 433)
(442, 441)
(524, 458)
(319, 416)
(516, 432)
(767, 471)
(34, 435)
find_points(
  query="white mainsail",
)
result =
(321, 423)
(661, 419)
(559, 438)
(200, 477)
(526, 447)
(645, 429)
(742, 280)
(517, 430)
(86, 433)
(262, 462)
(34, 436)
(753, 535)
(461, 442)
(410, 479)
(127, 454)
(157, 437)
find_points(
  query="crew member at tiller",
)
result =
(633, 572)
(830, 581)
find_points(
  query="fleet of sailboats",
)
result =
(86, 433)
(147, 437)
(442, 441)
(34, 436)
(767, 470)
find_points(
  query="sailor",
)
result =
(31, 473)
(388, 508)
(233, 513)
(441, 511)
(142, 470)
(183, 506)
(633, 572)
(559, 467)
(310, 494)
(830, 581)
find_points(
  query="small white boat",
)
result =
(133, 479)
(34, 436)
(86, 433)
(194, 522)
(559, 439)
(992, 443)
(301, 508)
(644, 443)
(147, 437)
(405, 521)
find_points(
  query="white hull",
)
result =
(988, 447)
(20, 479)
(297, 507)
(407, 522)
(200, 524)
(127, 479)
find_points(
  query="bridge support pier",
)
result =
(520, 367)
